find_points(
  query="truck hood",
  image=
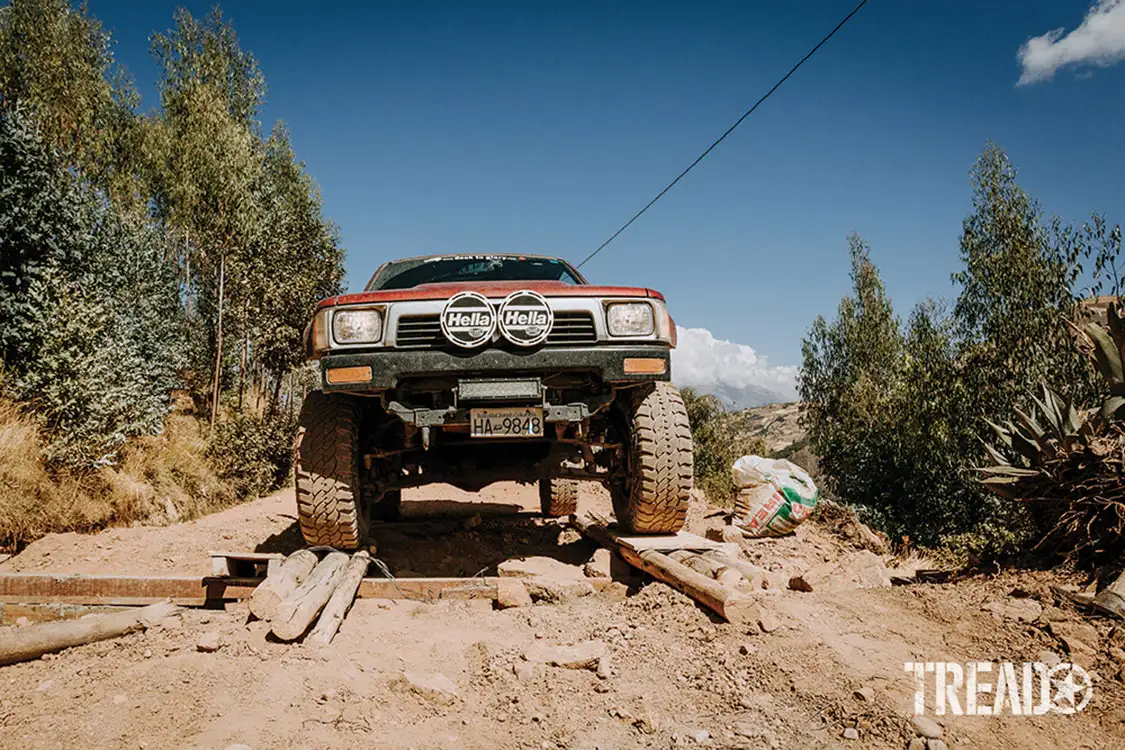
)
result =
(488, 289)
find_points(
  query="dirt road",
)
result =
(831, 661)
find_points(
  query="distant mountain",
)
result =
(740, 397)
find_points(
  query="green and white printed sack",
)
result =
(774, 496)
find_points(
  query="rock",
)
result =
(527, 671)
(148, 653)
(746, 649)
(583, 655)
(864, 537)
(767, 622)
(865, 694)
(918, 743)
(862, 570)
(925, 727)
(598, 566)
(1117, 654)
(472, 521)
(548, 579)
(433, 686)
(1050, 658)
(936, 745)
(21, 621)
(867, 570)
(701, 735)
(731, 535)
(239, 746)
(1052, 614)
(1078, 637)
(605, 667)
(615, 592)
(208, 642)
(171, 623)
(511, 592)
(851, 733)
(1023, 610)
(44, 686)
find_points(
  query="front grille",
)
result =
(424, 331)
(419, 331)
(573, 328)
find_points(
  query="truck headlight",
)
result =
(629, 319)
(357, 326)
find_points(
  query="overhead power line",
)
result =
(729, 130)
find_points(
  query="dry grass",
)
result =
(160, 479)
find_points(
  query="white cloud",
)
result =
(715, 365)
(1099, 40)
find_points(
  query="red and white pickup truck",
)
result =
(473, 369)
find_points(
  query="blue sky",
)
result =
(541, 127)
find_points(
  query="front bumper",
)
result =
(389, 366)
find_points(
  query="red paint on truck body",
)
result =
(488, 289)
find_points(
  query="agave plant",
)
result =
(1070, 460)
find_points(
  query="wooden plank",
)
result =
(36, 588)
(224, 564)
(681, 540)
(53, 588)
(725, 601)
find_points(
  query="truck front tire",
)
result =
(329, 504)
(654, 496)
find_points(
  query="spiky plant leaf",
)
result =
(1117, 330)
(1107, 356)
(1025, 447)
(997, 456)
(1113, 408)
(1030, 425)
(1002, 434)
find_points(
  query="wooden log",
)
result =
(32, 641)
(337, 607)
(724, 574)
(299, 609)
(280, 583)
(726, 602)
(754, 576)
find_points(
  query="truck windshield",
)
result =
(449, 268)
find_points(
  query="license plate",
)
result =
(486, 423)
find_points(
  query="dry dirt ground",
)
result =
(832, 662)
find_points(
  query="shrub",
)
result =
(254, 453)
(896, 413)
(720, 439)
(90, 329)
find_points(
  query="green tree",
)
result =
(297, 260)
(58, 61)
(206, 161)
(897, 415)
(852, 371)
(88, 304)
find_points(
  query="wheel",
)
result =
(329, 504)
(558, 497)
(652, 496)
(388, 507)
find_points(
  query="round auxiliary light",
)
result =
(526, 318)
(468, 320)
